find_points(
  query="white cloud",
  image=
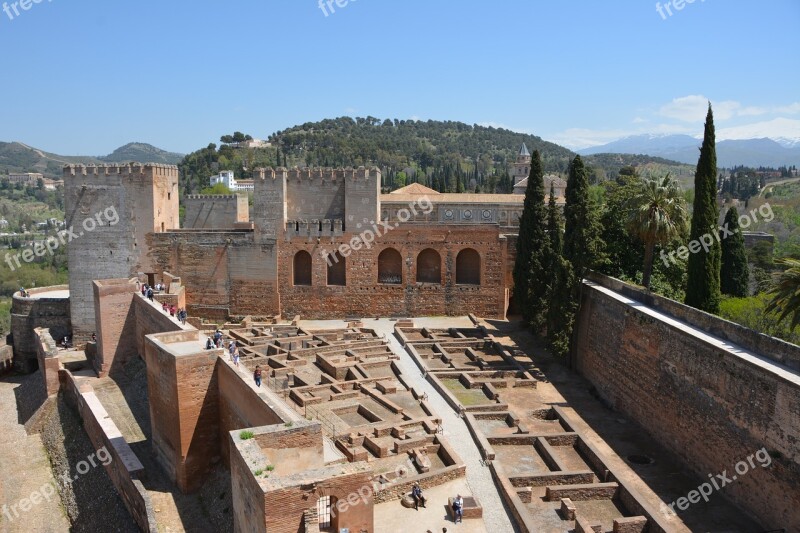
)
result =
(775, 128)
(639, 120)
(693, 108)
(791, 109)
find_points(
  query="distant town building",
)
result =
(26, 178)
(252, 143)
(52, 185)
(226, 178)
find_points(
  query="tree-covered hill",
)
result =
(445, 155)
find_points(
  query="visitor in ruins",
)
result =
(150, 294)
(231, 347)
(257, 375)
(236, 356)
(182, 316)
(172, 311)
(416, 493)
(458, 509)
(209, 344)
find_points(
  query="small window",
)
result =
(468, 267)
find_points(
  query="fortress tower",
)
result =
(522, 166)
(111, 210)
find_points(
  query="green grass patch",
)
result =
(246, 435)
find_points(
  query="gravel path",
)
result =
(479, 478)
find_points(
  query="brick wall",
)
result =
(150, 319)
(364, 296)
(215, 211)
(710, 407)
(184, 406)
(115, 324)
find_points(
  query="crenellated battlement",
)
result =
(320, 174)
(230, 197)
(120, 169)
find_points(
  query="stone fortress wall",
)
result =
(712, 391)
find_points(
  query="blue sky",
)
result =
(86, 77)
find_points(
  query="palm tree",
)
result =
(786, 291)
(657, 215)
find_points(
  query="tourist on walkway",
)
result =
(257, 376)
(236, 356)
(458, 509)
(150, 294)
(416, 493)
(172, 311)
(209, 344)
(182, 316)
(231, 347)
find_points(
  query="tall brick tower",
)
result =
(112, 209)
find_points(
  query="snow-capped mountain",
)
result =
(685, 149)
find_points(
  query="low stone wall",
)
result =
(124, 469)
(28, 314)
(49, 365)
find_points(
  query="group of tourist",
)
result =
(24, 293)
(458, 503)
(175, 312)
(217, 341)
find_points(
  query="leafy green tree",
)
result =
(703, 284)
(217, 189)
(624, 251)
(786, 292)
(657, 216)
(529, 268)
(735, 273)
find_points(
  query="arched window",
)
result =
(337, 269)
(429, 266)
(302, 268)
(468, 267)
(390, 267)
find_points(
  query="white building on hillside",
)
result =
(226, 178)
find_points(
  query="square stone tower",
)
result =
(111, 210)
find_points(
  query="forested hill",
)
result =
(445, 155)
(401, 143)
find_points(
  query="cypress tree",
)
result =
(560, 306)
(703, 283)
(529, 268)
(735, 273)
(583, 246)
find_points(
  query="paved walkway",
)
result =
(479, 478)
(24, 471)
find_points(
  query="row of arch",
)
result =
(390, 268)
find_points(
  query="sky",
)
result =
(83, 78)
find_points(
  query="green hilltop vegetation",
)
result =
(445, 155)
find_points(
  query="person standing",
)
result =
(416, 493)
(458, 509)
(257, 376)
(236, 356)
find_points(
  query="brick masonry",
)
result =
(710, 407)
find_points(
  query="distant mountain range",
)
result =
(19, 157)
(685, 149)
